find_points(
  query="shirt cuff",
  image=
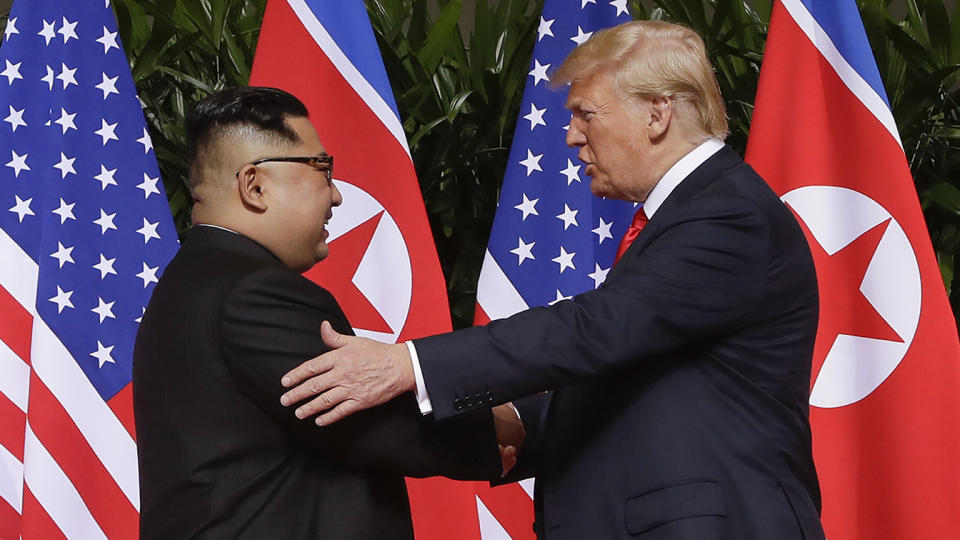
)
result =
(516, 411)
(423, 399)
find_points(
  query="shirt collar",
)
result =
(212, 226)
(680, 170)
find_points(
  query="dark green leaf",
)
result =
(945, 195)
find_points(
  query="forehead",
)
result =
(590, 90)
(309, 139)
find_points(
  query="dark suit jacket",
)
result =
(221, 458)
(681, 384)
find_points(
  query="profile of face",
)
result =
(615, 136)
(298, 198)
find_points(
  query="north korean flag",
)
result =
(884, 390)
(383, 266)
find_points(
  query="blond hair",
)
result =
(654, 59)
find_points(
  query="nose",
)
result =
(575, 137)
(335, 198)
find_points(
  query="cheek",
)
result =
(618, 158)
(311, 205)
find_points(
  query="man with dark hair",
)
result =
(219, 456)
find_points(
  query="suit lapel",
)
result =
(690, 187)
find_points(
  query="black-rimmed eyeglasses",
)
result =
(322, 163)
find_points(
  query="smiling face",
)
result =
(614, 137)
(300, 200)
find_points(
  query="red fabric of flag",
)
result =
(885, 410)
(383, 266)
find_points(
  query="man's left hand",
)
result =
(510, 434)
(356, 374)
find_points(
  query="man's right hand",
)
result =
(356, 374)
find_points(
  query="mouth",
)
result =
(326, 222)
(587, 165)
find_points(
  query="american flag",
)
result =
(551, 238)
(85, 231)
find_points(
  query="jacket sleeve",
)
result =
(270, 323)
(699, 278)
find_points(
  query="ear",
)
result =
(250, 186)
(661, 113)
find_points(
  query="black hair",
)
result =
(262, 108)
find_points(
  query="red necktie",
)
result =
(639, 222)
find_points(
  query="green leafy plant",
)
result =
(458, 87)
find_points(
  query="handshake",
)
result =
(510, 434)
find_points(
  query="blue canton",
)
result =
(551, 236)
(80, 191)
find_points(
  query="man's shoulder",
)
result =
(723, 178)
(735, 186)
(284, 297)
(284, 283)
(217, 267)
(213, 258)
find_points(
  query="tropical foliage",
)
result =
(458, 81)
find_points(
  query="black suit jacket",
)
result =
(681, 384)
(221, 458)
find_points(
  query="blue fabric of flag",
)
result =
(841, 21)
(551, 236)
(80, 191)
(347, 23)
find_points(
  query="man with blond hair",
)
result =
(680, 386)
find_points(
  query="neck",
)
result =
(668, 152)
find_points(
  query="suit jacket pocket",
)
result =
(689, 499)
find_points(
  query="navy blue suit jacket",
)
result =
(681, 385)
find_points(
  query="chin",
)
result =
(598, 189)
(322, 254)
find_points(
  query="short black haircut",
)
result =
(262, 108)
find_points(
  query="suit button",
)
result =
(457, 404)
(467, 402)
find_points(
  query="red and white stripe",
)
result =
(68, 464)
(497, 298)
(505, 512)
